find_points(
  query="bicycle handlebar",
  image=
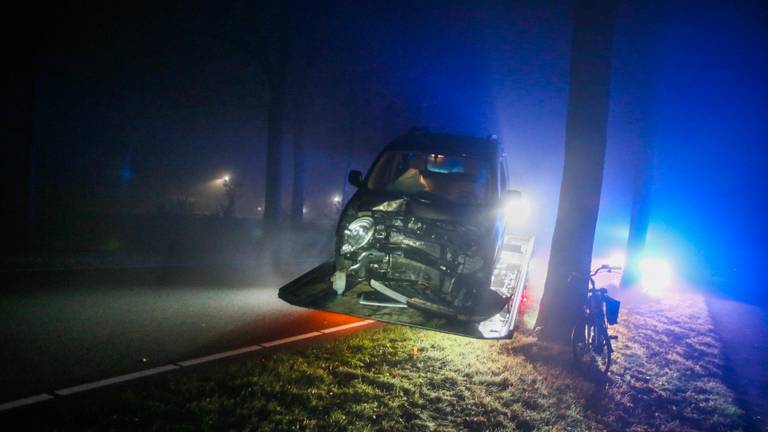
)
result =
(607, 268)
(603, 268)
(590, 277)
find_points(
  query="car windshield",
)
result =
(452, 178)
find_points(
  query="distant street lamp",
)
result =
(228, 209)
(336, 204)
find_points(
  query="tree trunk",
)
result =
(18, 164)
(639, 220)
(585, 139)
(297, 193)
(643, 47)
(274, 189)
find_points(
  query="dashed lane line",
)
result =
(347, 326)
(25, 401)
(113, 380)
(160, 369)
(221, 355)
(290, 339)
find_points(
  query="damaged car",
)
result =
(428, 239)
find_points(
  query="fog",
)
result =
(138, 110)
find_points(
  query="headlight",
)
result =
(517, 211)
(357, 234)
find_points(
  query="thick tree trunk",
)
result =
(18, 88)
(638, 223)
(274, 183)
(297, 193)
(643, 46)
(585, 139)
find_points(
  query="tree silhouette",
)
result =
(585, 139)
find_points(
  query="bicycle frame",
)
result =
(595, 316)
(594, 326)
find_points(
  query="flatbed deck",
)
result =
(314, 290)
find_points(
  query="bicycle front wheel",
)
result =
(590, 347)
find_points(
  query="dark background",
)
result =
(119, 119)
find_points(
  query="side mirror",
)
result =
(355, 178)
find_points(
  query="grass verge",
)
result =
(666, 376)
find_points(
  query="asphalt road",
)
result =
(63, 329)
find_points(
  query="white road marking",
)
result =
(26, 401)
(160, 369)
(220, 355)
(114, 380)
(290, 339)
(346, 326)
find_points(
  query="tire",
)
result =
(591, 347)
(578, 342)
(607, 349)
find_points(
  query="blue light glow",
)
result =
(655, 276)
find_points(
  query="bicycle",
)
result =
(590, 341)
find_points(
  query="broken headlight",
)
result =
(357, 234)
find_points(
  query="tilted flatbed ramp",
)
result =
(314, 290)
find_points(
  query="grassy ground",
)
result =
(668, 373)
(666, 376)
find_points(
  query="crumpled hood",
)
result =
(421, 208)
(441, 253)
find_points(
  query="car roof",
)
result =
(443, 143)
